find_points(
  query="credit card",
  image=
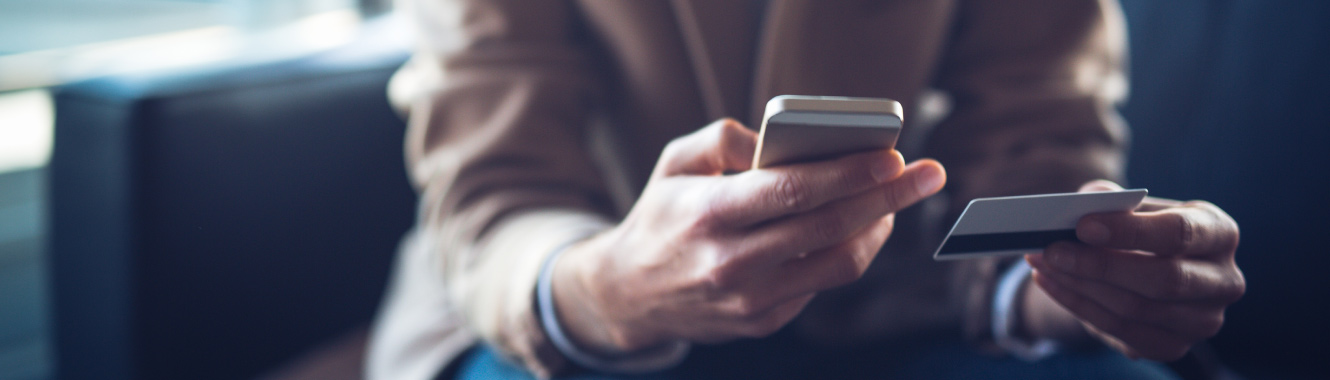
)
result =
(1025, 224)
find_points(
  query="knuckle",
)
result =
(711, 217)
(789, 192)
(862, 262)
(722, 279)
(850, 179)
(859, 262)
(1231, 238)
(673, 148)
(745, 308)
(727, 124)
(1186, 228)
(1174, 283)
(1238, 287)
(719, 131)
(730, 135)
(894, 198)
(1223, 229)
(848, 268)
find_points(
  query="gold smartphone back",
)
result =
(812, 128)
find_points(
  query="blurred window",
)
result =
(48, 42)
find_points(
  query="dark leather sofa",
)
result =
(226, 221)
(217, 222)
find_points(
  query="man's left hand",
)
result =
(1150, 282)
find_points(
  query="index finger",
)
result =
(1194, 228)
(762, 194)
(1154, 277)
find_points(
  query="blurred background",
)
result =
(93, 45)
(169, 170)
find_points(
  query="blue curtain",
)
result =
(1231, 103)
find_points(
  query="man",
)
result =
(556, 145)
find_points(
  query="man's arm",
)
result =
(702, 257)
(1033, 85)
(496, 146)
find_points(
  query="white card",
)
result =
(1026, 224)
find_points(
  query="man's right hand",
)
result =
(709, 257)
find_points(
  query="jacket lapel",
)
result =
(720, 37)
(773, 47)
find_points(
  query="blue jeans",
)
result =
(782, 357)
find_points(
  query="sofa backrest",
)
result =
(215, 223)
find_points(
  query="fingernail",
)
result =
(1093, 232)
(929, 180)
(1044, 282)
(881, 171)
(1036, 261)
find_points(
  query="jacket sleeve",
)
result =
(1033, 86)
(498, 97)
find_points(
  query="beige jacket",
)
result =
(533, 122)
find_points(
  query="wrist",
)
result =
(581, 312)
(1011, 316)
(576, 324)
(1043, 317)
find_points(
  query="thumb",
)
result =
(722, 146)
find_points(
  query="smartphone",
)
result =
(811, 128)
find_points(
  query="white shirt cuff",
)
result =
(1005, 317)
(655, 359)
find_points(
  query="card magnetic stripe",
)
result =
(1005, 241)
